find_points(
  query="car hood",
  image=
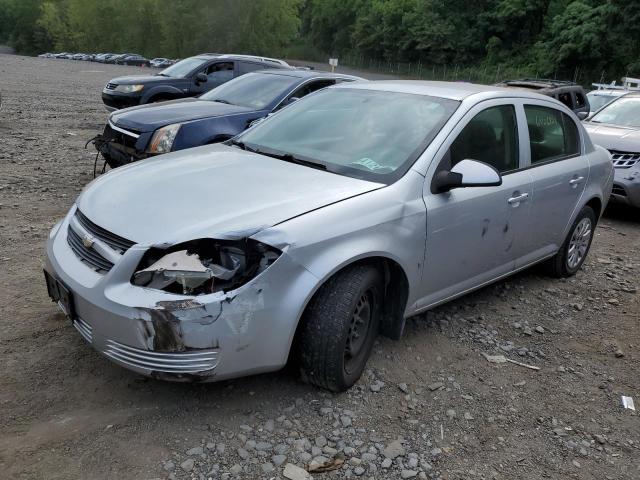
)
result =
(212, 191)
(612, 137)
(147, 118)
(146, 79)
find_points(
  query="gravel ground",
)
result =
(429, 406)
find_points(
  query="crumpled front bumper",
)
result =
(626, 186)
(176, 337)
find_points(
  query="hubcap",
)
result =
(579, 243)
(358, 332)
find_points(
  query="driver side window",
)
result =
(490, 137)
(220, 72)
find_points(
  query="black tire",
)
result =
(562, 264)
(333, 346)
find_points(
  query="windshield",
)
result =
(180, 69)
(624, 112)
(254, 90)
(374, 135)
(597, 100)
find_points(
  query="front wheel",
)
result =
(575, 248)
(339, 327)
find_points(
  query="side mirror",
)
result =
(582, 115)
(292, 100)
(201, 78)
(467, 173)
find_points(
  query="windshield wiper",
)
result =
(162, 74)
(221, 100)
(288, 157)
(241, 145)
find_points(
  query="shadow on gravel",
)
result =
(623, 213)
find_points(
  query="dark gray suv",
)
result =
(569, 93)
(190, 77)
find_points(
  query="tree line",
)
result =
(551, 37)
(154, 28)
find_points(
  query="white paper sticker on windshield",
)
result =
(370, 164)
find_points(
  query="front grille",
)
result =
(180, 362)
(619, 190)
(624, 159)
(119, 244)
(111, 86)
(87, 255)
(84, 328)
(119, 138)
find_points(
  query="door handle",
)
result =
(515, 201)
(575, 181)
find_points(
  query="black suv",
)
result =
(190, 77)
(569, 93)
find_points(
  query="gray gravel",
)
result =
(428, 406)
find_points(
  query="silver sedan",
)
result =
(616, 127)
(328, 223)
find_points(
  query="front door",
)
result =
(475, 234)
(217, 73)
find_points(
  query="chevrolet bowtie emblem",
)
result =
(87, 241)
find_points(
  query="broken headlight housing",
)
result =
(163, 138)
(204, 266)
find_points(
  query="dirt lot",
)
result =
(67, 413)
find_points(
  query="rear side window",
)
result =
(566, 99)
(490, 137)
(552, 134)
(247, 67)
(220, 72)
(312, 87)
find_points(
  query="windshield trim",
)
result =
(353, 172)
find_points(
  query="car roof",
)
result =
(451, 90)
(251, 58)
(307, 74)
(541, 85)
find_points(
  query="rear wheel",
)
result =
(339, 327)
(574, 251)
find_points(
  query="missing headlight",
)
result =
(203, 266)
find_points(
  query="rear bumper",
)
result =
(626, 186)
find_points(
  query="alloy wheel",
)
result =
(579, 243)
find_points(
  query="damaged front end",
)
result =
(204, 266)
(118, 147)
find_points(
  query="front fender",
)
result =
(389, 222)
(168, 90)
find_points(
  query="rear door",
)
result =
(559, 172)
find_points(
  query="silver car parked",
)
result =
(333, 220)
(616, 127)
